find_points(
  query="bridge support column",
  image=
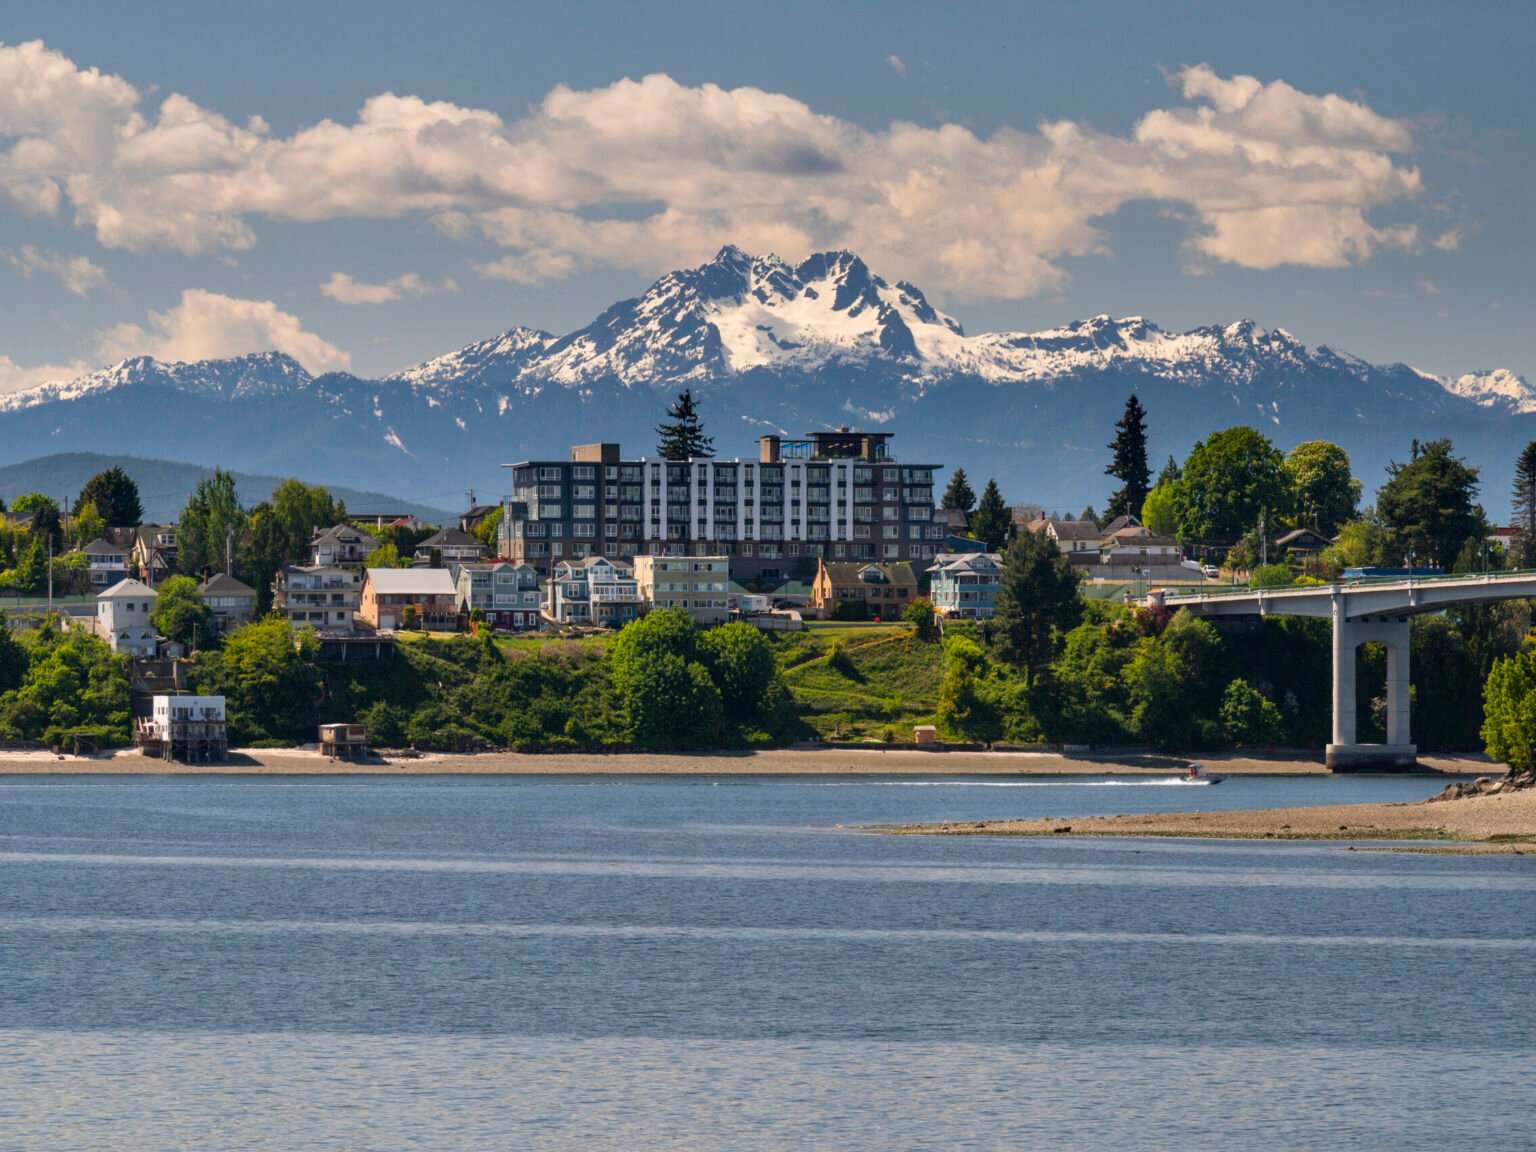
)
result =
(1345, 754)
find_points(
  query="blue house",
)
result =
(963, 585)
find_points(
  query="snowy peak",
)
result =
(486, 362)
(237, 378)
(1500, 389)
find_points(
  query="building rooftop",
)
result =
(128, 590)
(412, 581)
(220, 584)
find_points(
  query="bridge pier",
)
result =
(1345, 754)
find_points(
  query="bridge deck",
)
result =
(1360, 599)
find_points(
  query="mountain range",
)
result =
(770, 346)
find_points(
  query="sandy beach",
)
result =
(1500, 822)
(776, 762)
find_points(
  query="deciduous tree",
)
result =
(212, 520)
(1326, 493)
(181, 614)
(1231, 480)
(1430, 504)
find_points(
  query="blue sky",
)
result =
(1368, 187)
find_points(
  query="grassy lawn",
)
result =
(859, 680)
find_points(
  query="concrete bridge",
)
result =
(1362, 612)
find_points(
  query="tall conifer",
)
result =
(1129, 464)
(682, 433)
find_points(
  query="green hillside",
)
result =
(164, 485)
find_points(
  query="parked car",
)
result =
(1211, 572)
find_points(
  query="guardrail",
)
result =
(1365, 582)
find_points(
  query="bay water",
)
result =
(695, 963)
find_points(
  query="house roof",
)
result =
(589, 561)
(1136, 534)
(128, 590)
(1067, 529)
(954, 517)
(102, 548)
(965, 561)
(450, 538)
(852, 572)
(412, 581)
(1119, 522)
(221, 585)
(342, 534)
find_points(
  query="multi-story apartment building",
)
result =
(700, 585)
(834, 495)
(325, 598)
(508, 594)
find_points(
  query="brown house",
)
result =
(432, 592)
(864, 590)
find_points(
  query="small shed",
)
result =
(925, 734)
(343, 741)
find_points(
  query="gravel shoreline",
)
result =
(874, 761)
(1505, 823)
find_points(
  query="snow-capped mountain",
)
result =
(771, 346)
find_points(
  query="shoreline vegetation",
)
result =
(871, 761)
(1488, 817)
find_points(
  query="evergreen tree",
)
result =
(682, 433)
(116, 497)
(212, 516)
(1429, 503)
(959, 495)
(1089, 514)
(1525, 506)
(1037, 602)
(1171, 472)
(991, 520)
(1129, 464)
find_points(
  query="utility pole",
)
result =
(1263, 539)
(50, 575)
(229, 550)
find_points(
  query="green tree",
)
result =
(279, 531)
(72, 680)
(991, 520)
(664, 689)
(964, 709)
(1362, 543)
(1037, 602)
(1129, 462)
(1248, 717)
(1173, 681)
(1524, 502)
(1509, 713)
(13, 658)
(212, 521)
(1159, 510)
(741, 664)
(47, 524)
(180, 613)
(266, 673)
(87, 525)
(1326, 492)
(1430, 504)
(116, 497)
(486, 532)
(958, 496)
(1271, 576)
(1230, 481)
(920, 614)
(682, 433)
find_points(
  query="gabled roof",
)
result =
(221, 585)
(589, 561)
(1303, 536)
(851, 572)
(102, 548)
(450, 538)
(966, 561)
(128, 590)
(1137, 535)
(343, 534)
(411, 581)
(1119, 522)
(954, 517)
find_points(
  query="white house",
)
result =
(122, 618)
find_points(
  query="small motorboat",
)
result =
(1198, 775)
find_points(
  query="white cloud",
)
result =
(647, 174)
(15, 377)
(898, 65)
(345, 290)
(207, 325)
(76, 273)
(1449, 240)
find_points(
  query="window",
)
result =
(919, 513)
(582, 472)
(584, 511)
(583, 492)
(550, 474)
(890, 513)
(891, 531)
(891, 495)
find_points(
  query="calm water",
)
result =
(210, 963)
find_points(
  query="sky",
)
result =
(365, 186)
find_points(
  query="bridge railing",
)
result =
(1366, 582)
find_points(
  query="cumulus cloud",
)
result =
(16, 377)
(646, 174)
(76, 273)
(345, 290)
(898, 65)
(207, 325)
